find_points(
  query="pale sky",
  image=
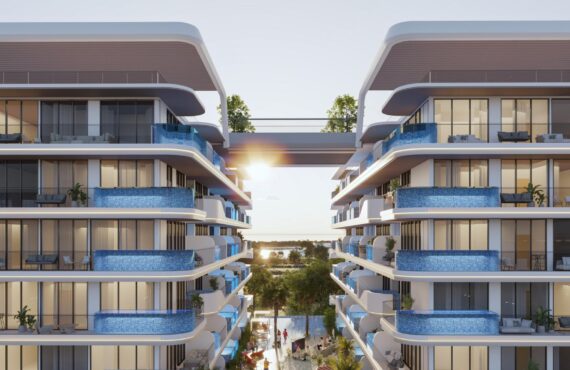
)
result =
(289, 59)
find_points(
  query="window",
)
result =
(19, 357)
(14, 296)
(18, 240)
(122, 234)
(63, 118)
(64, 303)
(122, 357)
(171, 118)
(460, 358)
(411, 235)
(561, 183)
(518, 358)
(19, 117)
(412, 356)
(127, 296)
(59, 176)
(127, 121)
(517, 174)
(461, 234)
(127, 173)
(461, 296)
(523, 245)
(18, 183)
(521, 300)
(561, 242)
(461, 173)
(176, 235)
(461, 117)
(64, 357)
(68, 240)
(530, 115)
(382, 230)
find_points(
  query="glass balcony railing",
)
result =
(163, 133)
(217, 340)
(144, 197)
(447, 322)
(354, 317)
(231, 316)
(232, 280)
(370, 340)
(447, 260)
(143, 260)
(421, 133)
(351, 282)
(434, 197)
(145, 322)
(369, 252)
(230, 350)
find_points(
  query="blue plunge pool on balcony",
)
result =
(421, 133)
(143, 260)
(447, 260)
(447, 322)
(144, 197)
(144, 322)
(432, 197)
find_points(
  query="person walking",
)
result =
(278, 338)
(266, 364)
(285, 335)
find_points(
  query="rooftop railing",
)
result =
(81, 77)
(529, 75)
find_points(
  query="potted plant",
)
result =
(536, 195)
(31, 322)
(394, 185)
(407, 302)
(544, 320)
(389, 244)
(532, 365)
(22, 317)
(77, 195)
(197, 303)
(214, 283)
(198, 260)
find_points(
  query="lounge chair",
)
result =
(516, 198)
(10, 138)
(42, 259)
(516, 326)
(463, 139)
(515, 137)
(67, 261)
(45, 329)
(563, 264)
(563, 323)
(551, 138)
(67, 328)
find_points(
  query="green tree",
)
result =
(321, 253)
(294, 257)
(342, 115)
(259, 278)
(345, 359)
(275, 295)
(329, 320)
(308, 248)
(238, 114)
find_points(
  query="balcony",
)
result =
(447, 322)
(447, 260)
(370, 340)
(231, 314)
(144, 197)
(421, 133)
(180, 135)
(143, 260)
(434, 197)
(230, 350)
(231, 280)
(145, 322)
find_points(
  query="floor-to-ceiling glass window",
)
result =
(461, 117)
(64, 357)
(64, 304)
(530, 115)
(461, 234)
(62, 120)
(122, 234)
(128, 121)
(561, 236)
(523, 245)
(518, 174)
(68, 239)
(561, 300)
(471, 173)
(560, 117)
(19, 117)
(521, 300)
(127, 173)
(519, 358)
(561, 178)
(122, 357)
(59, 176)
(127, 296)
(18, 183)
(460, 358)
(14, 296)
(561, 358)
(461, 296)
(14, 357)
(18, 244)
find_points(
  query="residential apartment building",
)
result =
(119, 222)
(457, 215)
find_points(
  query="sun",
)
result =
(258, 171)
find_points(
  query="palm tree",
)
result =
(344, 359)
(275, 295)
(260, 276)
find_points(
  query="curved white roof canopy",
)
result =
(411, 50)
(174, 50)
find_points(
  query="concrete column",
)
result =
(550, 244)
(428, 355)
(93, 117)
(422, 293)
(427, 230)
(495, 235)
(549, 358)
(495, 297)
(494, 358)
(93, 177)
(495, 172)
(494, 118)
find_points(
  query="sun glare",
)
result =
(258, 170)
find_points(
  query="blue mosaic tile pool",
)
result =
(143, 197)
(144, 322)
(447, 197)
(447, 260)
(447, 322)
(421, 133)
(143, 260)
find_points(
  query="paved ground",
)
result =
(295, 326)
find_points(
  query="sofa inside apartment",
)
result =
(517, 326)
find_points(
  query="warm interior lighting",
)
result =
(258, 171)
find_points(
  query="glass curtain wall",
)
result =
(523, 245)
(63, 119)
(18, 183)
(471, 173)
(59, 176)
(122, 357)
(461, 296)
(14, 296)
(19, 117)
(127, 173)
(122, 234)
(521, 300)
(127, 121)
(561, 243)
(64, 357)
(19, 358)
(18, 243)
(68, 240)
(518, 174)
(518, 358)
(561, 183)
(461, 234)
(64, 304)
(530, 115)
(461, 117)
(560, 117)
(460, 358)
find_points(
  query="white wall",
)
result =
(422, 174)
